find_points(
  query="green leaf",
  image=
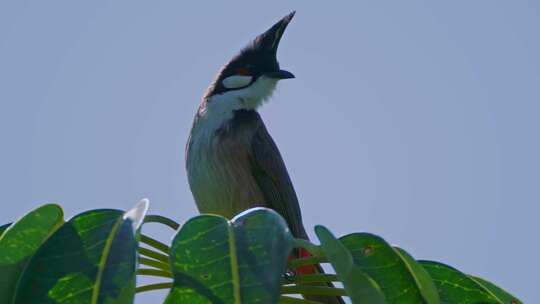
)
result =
(360, 287)
(4, 228)
(21, 241)
(240, 261)
(421, 277)
(399, 282)
(455, 286)
(91, 259)
(496, 291)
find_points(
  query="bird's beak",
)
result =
(281, 74)
(268, 41)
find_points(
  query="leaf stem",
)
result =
(307, 261)
(313, 290)
(154, 273)
(312, 248)
(162, 220)
(154, 255)
(156, 286)
(155, 244)
(311, 278)
(154, 263)
(291, 300)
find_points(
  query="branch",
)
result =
(155, 273)
(313, 290)
(307, 261)
(153, 263)
(291, 300)
(156, 286)
(311, 278)
(154, 255)
(312, 248)
(162, 220)
(155, 244)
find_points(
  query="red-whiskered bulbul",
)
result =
(232, 162)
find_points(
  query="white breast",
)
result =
(219, 172)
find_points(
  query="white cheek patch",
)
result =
(236, 81)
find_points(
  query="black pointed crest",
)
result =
(268, 41)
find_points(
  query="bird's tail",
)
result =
(313, 269)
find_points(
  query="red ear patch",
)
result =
(243, 71)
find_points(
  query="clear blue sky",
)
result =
(414, 120)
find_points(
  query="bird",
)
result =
(232, 162)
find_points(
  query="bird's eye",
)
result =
(243, 71)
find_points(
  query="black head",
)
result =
(255, 60)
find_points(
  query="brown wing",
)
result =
(272, 177)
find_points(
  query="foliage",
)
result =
(96, 256)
